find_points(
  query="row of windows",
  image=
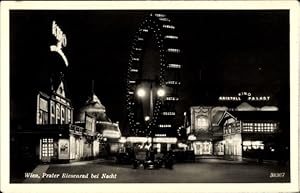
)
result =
(259, 124)
(260, 127)
(174, 66)
(160, 15)
(268, 130)
(47, 140)
(134, 70)
(172, 82)
(47, 147)
(164, 126)
(168, 113)
(47, 154)
(173, 50)
(132, 81)
(172, 98)
(169, 26)
(171, 37)
(232, 130)
(164, 19)
(265, 130)
(135, 59)
(138, 49)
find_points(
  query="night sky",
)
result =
(223, 52)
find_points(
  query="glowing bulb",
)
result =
(147, 118)
(161, 92)
(141, 92)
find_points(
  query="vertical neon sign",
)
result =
(61, 42)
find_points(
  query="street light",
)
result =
(161, 92)
(141, 92)
(147, 118)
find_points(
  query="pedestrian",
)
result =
(260, 156)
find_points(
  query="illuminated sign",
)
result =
(247, 95)
(43, 104)
(182, 145)
(253, 145)
(122, 140)
(165, 140)
(160, 135)
(138, 139)
(64, 149)
(192, 138)
(90, 123)
(111, 134)
(61, 41)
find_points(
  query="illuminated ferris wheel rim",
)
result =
(162, 29)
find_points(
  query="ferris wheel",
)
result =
(157, 29)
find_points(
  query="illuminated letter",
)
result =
(61, 42)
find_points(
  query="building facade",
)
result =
(245, 131)
(61, 139)
(204, 133)
(109, 132)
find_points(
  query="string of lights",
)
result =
(160, 26)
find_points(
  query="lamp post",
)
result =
(142, 93)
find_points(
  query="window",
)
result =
(52, 113)
(42, 117)
(62, 115)
(47, 147)
(263, 127)
(168, 113)
(69, 116)
(45, 117)
(164, 126)
(202, 123)
(172, 98)
(57, 115)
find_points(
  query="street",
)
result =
(203, 171)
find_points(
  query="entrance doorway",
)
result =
(203, 148)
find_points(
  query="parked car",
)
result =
(152, 160)
(181, 155)
(140, 156)
(125, 157)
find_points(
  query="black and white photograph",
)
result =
(152, 95)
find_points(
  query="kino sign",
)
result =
(248, 95)
(61, 41)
